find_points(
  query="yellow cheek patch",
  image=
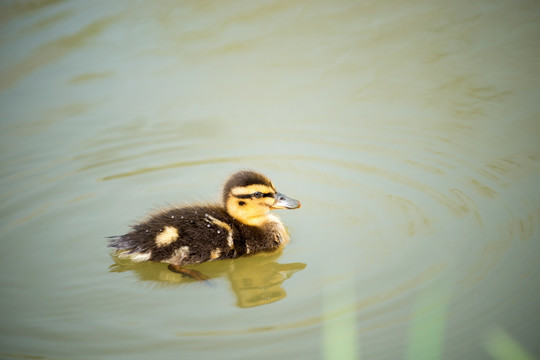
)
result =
(268, 202)
(167, 236)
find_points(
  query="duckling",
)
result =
(242, 225)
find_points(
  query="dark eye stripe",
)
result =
(248, 196)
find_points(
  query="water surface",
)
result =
(409, 131)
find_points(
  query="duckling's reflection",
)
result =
(256, 280)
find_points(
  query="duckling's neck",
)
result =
(257, 221)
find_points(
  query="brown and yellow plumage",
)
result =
(195, 234)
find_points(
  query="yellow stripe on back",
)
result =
(167, 236)
(226, 227)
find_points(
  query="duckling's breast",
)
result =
(269, 237)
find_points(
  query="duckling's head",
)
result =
(249, 196)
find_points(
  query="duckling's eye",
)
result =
(257, 195)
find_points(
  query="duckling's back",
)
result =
(178, 236)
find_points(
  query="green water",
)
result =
(409, 131)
